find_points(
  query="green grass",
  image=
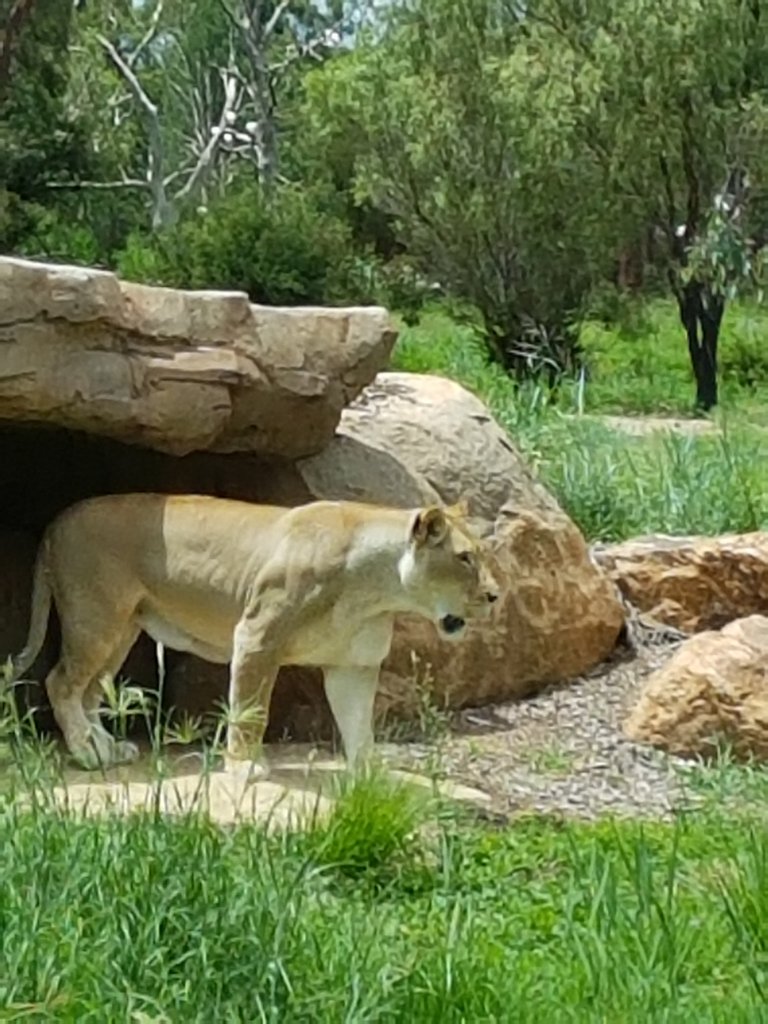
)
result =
(149, 919)
(399, 907)
(642, 364)
(615, 485)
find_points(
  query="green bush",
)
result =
(372, 825)
(287, 250)
(51, 235)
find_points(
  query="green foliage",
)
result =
(281, 250)
(50, 234)
(145, 918)
(39, 140)
(670, 100)
(613, 484)
(517, 152)
(459, 142)
(372, 825)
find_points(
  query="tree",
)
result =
(458, 137)
(668, 96)
(39, 140)
(517, 146)
(201, 79)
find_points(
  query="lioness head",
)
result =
(447, 569)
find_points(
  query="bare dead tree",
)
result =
(264, 73)
(219, 133)
(169, 189)
(164, 205)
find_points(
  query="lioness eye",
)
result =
(466, 558)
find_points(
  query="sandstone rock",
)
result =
(300, 791)
(412, 437)
(179, 371)
(713, 690)
(692, 583)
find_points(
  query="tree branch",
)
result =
(162, 212)
(271, 25)
(148, 36)
(688, 146)
(205, 161)
(669, 196)
(98, 185)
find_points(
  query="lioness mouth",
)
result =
(452, 624)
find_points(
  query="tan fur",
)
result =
(254, 586)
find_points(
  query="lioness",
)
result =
(257, 586)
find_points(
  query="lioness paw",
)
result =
(100, 752)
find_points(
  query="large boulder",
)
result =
(410, 439)
(712, 691)
(692, 583)
(179, 371)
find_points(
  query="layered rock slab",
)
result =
(179, 371)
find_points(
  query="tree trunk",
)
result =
(19, 14)
(701, 314)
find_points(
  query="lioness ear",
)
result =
(430, 526)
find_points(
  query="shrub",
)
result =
(287, 250)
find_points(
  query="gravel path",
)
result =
(563, 750)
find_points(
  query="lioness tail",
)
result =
(38, 620)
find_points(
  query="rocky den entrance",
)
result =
(108, 387)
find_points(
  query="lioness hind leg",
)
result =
(90, 746)
(87, 651)
(93, 696)
(351, 691)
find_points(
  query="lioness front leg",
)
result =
(351, 691)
